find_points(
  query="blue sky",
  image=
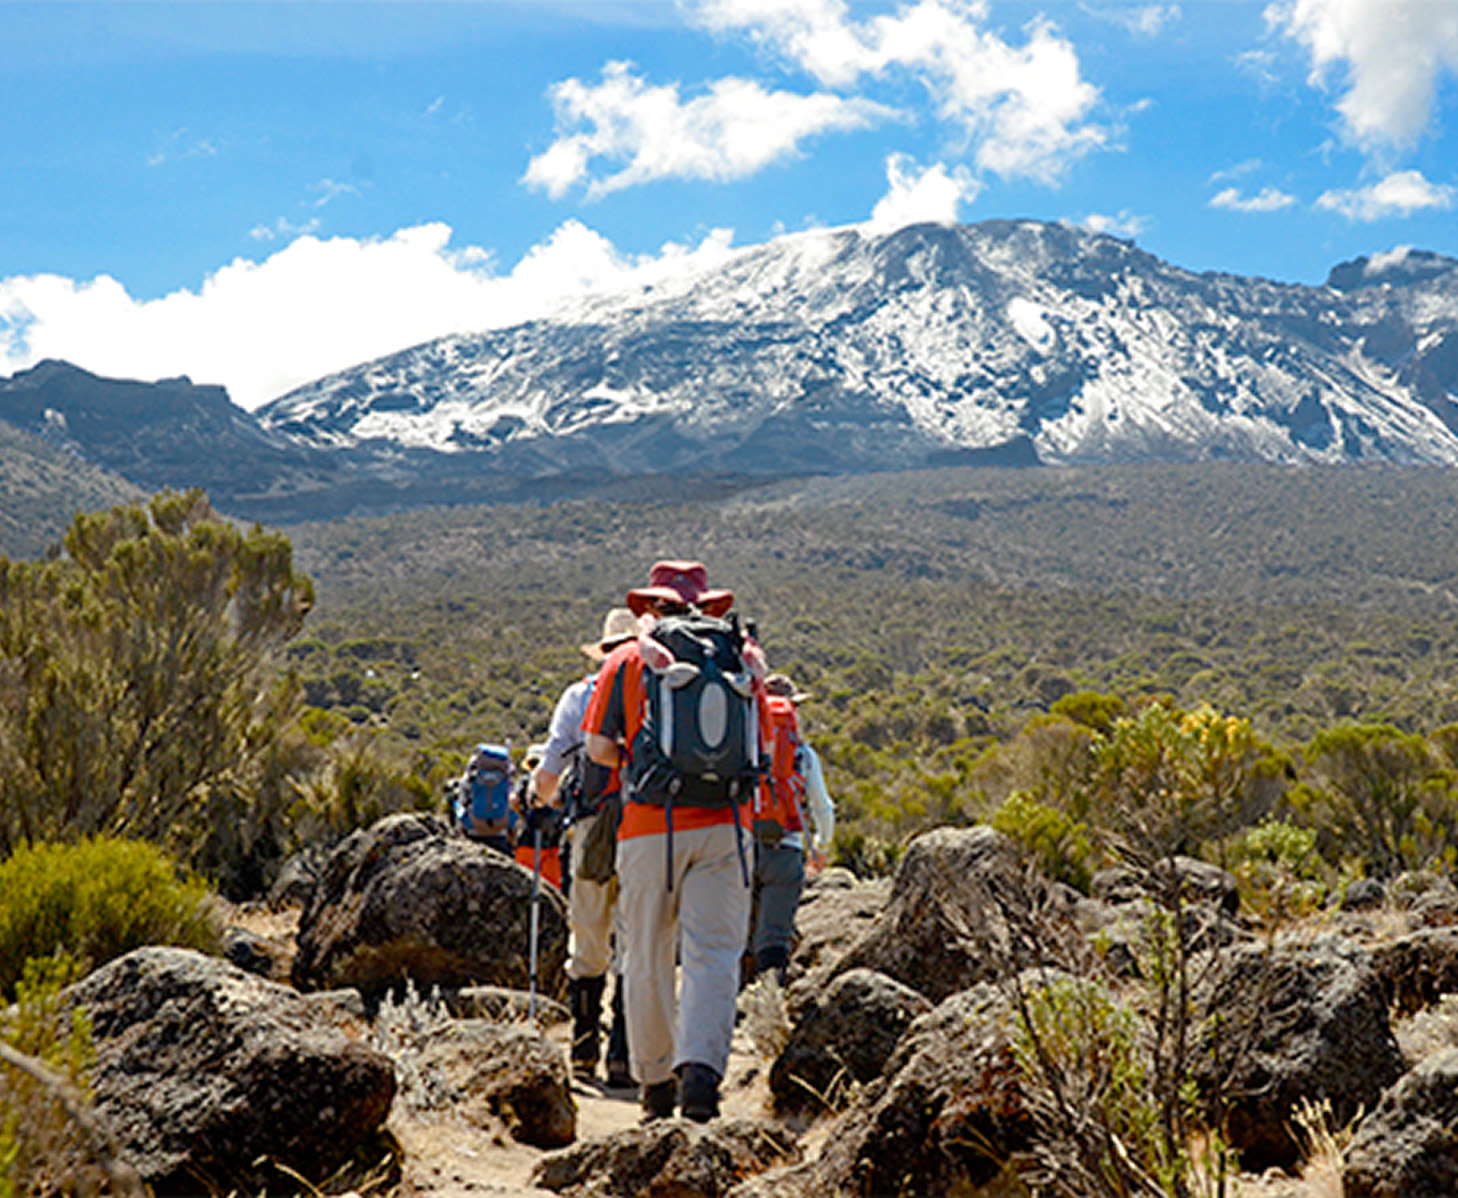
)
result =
(257, 193)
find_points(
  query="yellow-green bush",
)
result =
(96, 899)
(42, 1148)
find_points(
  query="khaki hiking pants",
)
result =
(702, 922)
(589, 913)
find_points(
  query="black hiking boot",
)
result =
(775, 960)
(619, 1077)
(658, 1100)
(698, 1087)
(584, 998)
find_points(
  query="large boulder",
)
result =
(960, 912)
(668, 1159)
(1408, 1146)
(407, 898)
(1418, 969)
(1196, 881)
(212, 1078)
(948, 1112)
(845, 1036)
(507, 1075)
(836, 910)
(1295, 1021)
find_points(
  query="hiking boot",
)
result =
(699, 1091)
(658, 1100)
(618, 1076)
(584, 999)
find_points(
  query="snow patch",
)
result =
(1027, 318)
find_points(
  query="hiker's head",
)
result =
(618, 625)
(679, 585)
(781, 685)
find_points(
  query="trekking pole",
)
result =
(536, 915)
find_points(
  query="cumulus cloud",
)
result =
(1393, 53)
(732, 131)
(1399, 194)
(317, 306)
(914, 194)
(1126, 224)
(1268, 199)
(1024, 109)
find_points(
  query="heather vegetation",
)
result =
(1108, 667)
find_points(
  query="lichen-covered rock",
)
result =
(847, 1035)
(408, 899)
(1418, 969)
(948, 1112)
(1299, 1021)
(1197, 882)
(506, 1074)
(211, 1077)
(668, 1159)
(959, 913)
(1408, 1146)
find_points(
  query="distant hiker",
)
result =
(787, 802)
(482, 802)
(588, 794)
(679, 711)
(534, 817)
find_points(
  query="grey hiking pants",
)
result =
(702, 921)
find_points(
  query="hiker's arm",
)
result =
(603, 750)
(546, 784)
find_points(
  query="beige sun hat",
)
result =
(780, 684)
(618, 625)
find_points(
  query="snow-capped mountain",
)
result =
(843, 350)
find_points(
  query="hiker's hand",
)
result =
(814, 862)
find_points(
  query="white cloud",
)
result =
(317, 306)
(1024, 109)
(1268, 199)
(1126, 224)
(1393, 52)
(1400, 194)
(732, 131)
(1146, 20)
(915, 195)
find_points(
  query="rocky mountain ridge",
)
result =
(831, 351)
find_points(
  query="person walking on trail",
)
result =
(587, 793)
(539, 853)
(686, 736)
(786, 808)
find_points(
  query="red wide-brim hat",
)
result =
(680, 582)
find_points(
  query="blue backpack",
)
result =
(483, 798)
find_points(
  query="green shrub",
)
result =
(42, 1147)
(96, 899)
(1057, 842)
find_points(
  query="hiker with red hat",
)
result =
(679, 713)
(588, 794)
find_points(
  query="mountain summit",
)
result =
(840, 350)
(834, 351)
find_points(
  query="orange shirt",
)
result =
(616, 711)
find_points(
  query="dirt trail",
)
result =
(448, 1156)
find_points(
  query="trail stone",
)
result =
(1408, 1146)
(509, 1074)
(846, 1036)
(407, 898)
(948, 1112)
(672, 1158)
(208, 1075)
